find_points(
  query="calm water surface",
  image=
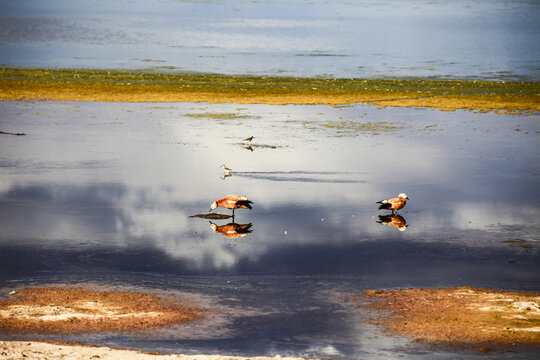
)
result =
(102, 193)
(492, 39)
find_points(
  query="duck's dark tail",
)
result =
(245, 204)
(384, 205)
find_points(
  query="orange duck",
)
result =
(393, 204)
(232, 202)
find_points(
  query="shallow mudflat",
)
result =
(123, 86)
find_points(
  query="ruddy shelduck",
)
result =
(393, 204)
(232, 202)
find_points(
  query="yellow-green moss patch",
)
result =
(133, 86)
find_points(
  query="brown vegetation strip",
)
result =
(122, 86)
(76, 310)
(461, 315)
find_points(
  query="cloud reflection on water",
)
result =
(314, 193)
(112, 217)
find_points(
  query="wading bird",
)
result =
(393, 204)
(226, 169)
(232, 202)
(249, 139)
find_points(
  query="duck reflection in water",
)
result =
(232, 230)
(395, 220)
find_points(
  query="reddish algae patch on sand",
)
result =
(76, 310)
(460, 315)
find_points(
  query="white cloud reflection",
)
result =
(493, 216)
(74, 184)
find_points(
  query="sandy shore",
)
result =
(16, 350)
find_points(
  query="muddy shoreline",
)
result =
(67, 310)
(122, 86)
(461, 317)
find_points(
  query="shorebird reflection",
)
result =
(394, 220)
(232, 230)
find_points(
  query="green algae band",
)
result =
(124, 86)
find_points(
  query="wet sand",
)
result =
(52, 351)
(119, 86)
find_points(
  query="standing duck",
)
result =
(393, 204)
(232, 202)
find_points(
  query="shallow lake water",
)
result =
(491, 39)
(102, 194)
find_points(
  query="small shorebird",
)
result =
(226, 169)
(395, 220)
(249, 139)
(232, 230)
(393, 204)
(232, 202)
